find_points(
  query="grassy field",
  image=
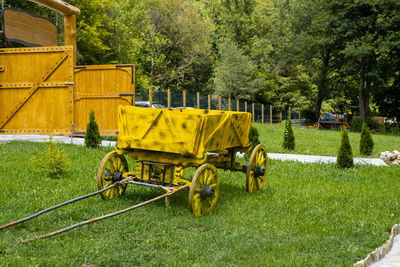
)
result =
(306, 214)
(322, 142)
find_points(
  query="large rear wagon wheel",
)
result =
(110, 171)
(257, 169)
(204, 190)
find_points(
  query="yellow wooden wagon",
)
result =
(166, 141)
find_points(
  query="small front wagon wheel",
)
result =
(204, 190)
(110, 171)
(257, 169)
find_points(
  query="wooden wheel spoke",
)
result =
(210, 178)
(261, 161)
(257, 185)
(213, 185)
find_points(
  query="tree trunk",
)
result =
(364, 97)
(322, 85)
(364, 92)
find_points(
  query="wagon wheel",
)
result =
(204, 190)
(110, 171)
(257, 169)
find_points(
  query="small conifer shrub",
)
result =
(92, 136)
(345, 154)
(254, 139)
(366, 142)
(288, 138)
(51, 160)
(254, 136)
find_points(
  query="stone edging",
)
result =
(380, 252)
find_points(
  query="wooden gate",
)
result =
(36, 90)
(102, 89)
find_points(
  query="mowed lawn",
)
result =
(322, 142)
(306, 214)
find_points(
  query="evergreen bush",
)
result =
(92, 136)
(366, 142)
(254, 136)
(254, 139)
(288, 138)
(345, 154)
(52, 160)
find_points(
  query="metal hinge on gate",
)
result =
(69, 83)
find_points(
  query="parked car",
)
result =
(146, 104)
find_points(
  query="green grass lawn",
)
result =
(322, 142)
(306, 214)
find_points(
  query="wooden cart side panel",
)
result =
(159, 130)
(36, 90)
(216, 130)
(240, 128)
(102, 88)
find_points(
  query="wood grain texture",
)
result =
(23, 27)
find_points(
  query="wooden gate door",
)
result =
(102, 89)
(36, 89)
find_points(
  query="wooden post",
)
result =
(184, 98)
(237, 105)
(290, 115)
(245, 106)
(252, 107)
(229, 104)
(270, 114)
(280, 116)
(262, 113)
(219, 102)
(198, 100)
(150, 98)
(169, 98)
(209, 102)
(70, 33)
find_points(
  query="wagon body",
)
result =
(185, 132)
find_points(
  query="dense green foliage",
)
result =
(92, 136)
(306, 214)
(254, 136)
(366, 142)
(345, 154)
(288, 136)
(334, 55)
(51, 160)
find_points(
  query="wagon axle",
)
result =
(258, 171)
(207, 192)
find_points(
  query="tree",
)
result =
(233, 72)
(188, 47)
(92, 136)
(345, 154)
(366, 142)
(288, 137)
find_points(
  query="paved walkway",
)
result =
(390, 259)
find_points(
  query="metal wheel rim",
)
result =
(206, 175)
(258, 158)
(111, 163)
